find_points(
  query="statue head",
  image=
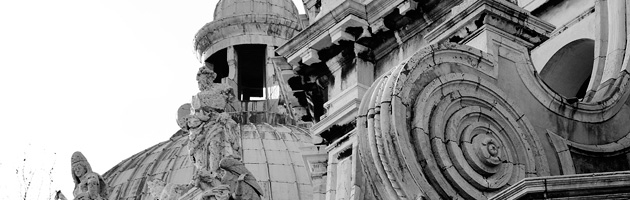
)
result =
(80, 166)
(205, 77)
(212, 95)
(82, 174)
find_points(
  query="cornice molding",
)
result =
(466, 19)
(243, 29)
(320, 28)
(568, 185)
(343, 114)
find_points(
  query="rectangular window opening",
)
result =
(251, 71)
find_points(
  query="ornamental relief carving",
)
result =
(437, 124)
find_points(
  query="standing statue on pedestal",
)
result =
(87, 184)
(213, 139)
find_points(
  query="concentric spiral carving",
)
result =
(478, 141)
(438, 126)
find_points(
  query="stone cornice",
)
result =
(320, 28)
(370, 13)
(574, 21)
(208, 39)
(342, 140)
(568, 185)
(346, 112)
(470, 16)
(378, 9)
(433, 18)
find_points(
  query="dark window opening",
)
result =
(568, 71)
(595, 163)
(251, 70)
(344, 154)
(218, 61)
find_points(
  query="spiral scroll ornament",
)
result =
(438, 124)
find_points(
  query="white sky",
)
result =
(104, 77)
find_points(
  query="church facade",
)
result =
(399, 99)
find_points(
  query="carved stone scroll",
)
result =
(437, 127)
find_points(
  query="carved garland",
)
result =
(438, 124)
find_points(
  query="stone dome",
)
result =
(271, 152)
(281, 8)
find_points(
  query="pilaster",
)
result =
(351, 82)
(316, 165)
(343, 169)
(349, 73)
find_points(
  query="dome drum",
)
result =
(231, 8)
(271, 22)
(244, 29)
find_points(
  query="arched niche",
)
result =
(569, 69)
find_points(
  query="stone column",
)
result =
(232, 61)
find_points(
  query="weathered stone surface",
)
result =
(474, 141)
(611, 185)
(241, 182)
(214, 143)
(88, 185)
(441, 121)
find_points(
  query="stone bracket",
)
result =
(308, 55)
(472, 16)
(407, 6)
(318, 36)
(338, 32)
(378, 25)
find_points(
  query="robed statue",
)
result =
(214, 143)
(87, 184)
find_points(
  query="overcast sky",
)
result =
(104, 77)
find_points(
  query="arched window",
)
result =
(569, 70)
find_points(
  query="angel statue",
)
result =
(87, 184)
(212, 136)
